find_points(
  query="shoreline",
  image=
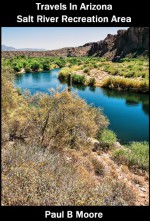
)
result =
(97, 84)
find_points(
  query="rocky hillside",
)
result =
(132, 42)
(78, 51)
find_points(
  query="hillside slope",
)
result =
(132, 42)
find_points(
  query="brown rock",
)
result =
(131, 42)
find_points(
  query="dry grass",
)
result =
(46, 153)
(33, 176)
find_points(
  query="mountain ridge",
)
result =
(132, 42)
(10, 48)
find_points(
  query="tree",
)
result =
(46, 65)
(67, 121)
(35, 66)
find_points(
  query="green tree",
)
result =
(35, 66)
(46, 65)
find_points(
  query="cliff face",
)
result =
(104, 47)
(132, 42)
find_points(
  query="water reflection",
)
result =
(145, 108)
(92, 88)
(132, 99)
(128, 113)
(131, 103)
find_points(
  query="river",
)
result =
(128, 113)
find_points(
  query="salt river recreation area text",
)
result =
(66, 19)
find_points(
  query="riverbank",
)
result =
(133, 105)
(103, 179)
(118, 164)
(47, 154)
(99, 78)
(130, 74)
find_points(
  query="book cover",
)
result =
(74, 110)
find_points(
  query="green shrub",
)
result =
(127, 84)
(102, 59)
(134, 155)
(78, 79)
(95, 65)
(24, 63)
(60, 62)
(19, 91)
(129, 74)
(27, 69)
(113, 71)
(64, 73)
(86, 70)
(46, 65)
(108, 137)
(91, 82)
(35, 66)
(17, 67)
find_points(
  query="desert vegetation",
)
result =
(129, 74)
(135, 155)
(57, 150)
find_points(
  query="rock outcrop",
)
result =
(132, 42)
(104, 47)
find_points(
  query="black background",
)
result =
(139, 13)
(138, 10)
(117, 213)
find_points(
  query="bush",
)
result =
(46, 65)
(60, 62)
(19, 91)
(102, 59)
(27, 69)
(35, 66)
(36, 177)
(108, 137)
(111, 70)
(78, 79)
(86, 70)
(65, 121)
(71, 121)
(17, 67)
(95, 66)
(127, 84)
(64, 73)
(91, 82)
(118, 194)
(98, 167)
(33, 177)
(135, 155)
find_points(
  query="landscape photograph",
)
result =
(75, 116)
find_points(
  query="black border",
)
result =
(139, 11)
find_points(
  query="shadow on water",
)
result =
(127, 112)
(132, 99)
(145, 108)
(92, 88)
(74, 86)
(79, 87)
